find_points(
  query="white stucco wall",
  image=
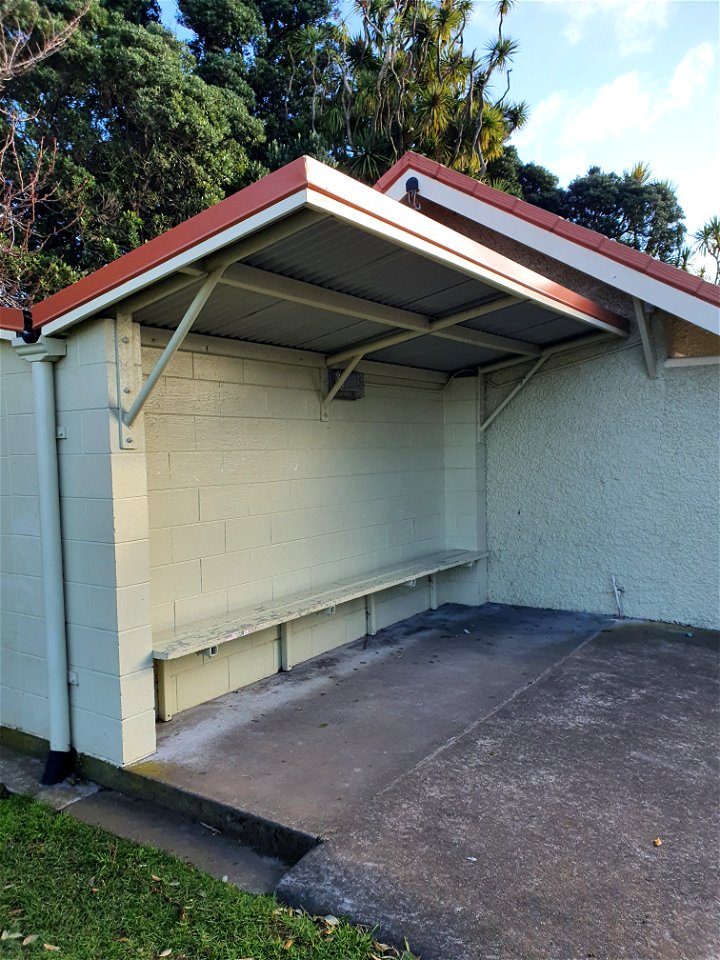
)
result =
(594, 470)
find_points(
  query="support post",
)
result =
(43, 356)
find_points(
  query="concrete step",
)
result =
(199, 844)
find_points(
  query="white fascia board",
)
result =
(7, 334)
(264, 218)
(447, 247)
(677, 302)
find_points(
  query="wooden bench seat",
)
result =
(208, 634)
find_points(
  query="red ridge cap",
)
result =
(241, 205)
(574, 232)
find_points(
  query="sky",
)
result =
(612, 82)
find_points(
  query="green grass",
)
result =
(93, 895)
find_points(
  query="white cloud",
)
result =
(630, 102)
(635, 117)
(636, 22)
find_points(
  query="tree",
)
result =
(143, 142)
(28, 35)
(632, 209)
(528, 181)
(251, 47)
(707, 244)
(405, 82)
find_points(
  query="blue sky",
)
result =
(611, 82)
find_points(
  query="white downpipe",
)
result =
(52, 561)
(42, 356)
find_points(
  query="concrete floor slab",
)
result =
(310, 749)
(532, 835)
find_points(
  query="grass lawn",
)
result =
(73, 890)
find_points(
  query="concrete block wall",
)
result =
(23, 683)
(105, 552)
(465, 489)
(252, 497)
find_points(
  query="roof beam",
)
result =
(309, 294)
(442, 328)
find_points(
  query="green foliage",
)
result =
(528, 181)
(707, 244)
(632, 209)
(143, 142)
(405, 82)
(91, 894)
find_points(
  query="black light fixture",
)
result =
(412, 189)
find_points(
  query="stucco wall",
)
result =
(593, 471)
(105, 553)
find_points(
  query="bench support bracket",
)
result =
(286, 632)
(370, 615)
(432, 583)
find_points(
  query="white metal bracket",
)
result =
(125, 377)
(513, 393)
(643, 322)
(324, 407)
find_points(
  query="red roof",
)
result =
(271, 189)
(590, 239)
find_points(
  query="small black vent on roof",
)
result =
(352, 389)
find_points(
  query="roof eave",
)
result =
(637, 274)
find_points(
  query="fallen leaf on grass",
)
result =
(153, 877)
(30, 938)
(287, 944)
(6, 935)
(50, 946)
(165, 953)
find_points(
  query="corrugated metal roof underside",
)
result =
(340, 257)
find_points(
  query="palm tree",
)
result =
(707, 243)
(405, 82)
